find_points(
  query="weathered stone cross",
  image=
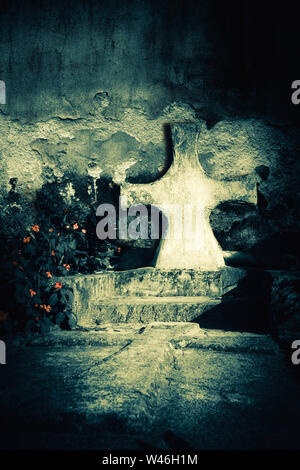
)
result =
(187, 196)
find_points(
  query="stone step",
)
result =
(176, 282)
(96, 291)
(145, 310)
(154, 282)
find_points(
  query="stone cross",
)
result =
(186, 196)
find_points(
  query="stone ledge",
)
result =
(153, 282)
(146, 310)
(142, 294)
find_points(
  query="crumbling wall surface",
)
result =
(90, 86)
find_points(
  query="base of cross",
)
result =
(148, 294)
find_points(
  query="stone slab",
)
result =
(93, 290)
(167, 389)
(146, 310)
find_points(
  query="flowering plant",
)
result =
(61, 241)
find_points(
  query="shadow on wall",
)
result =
(245, 308)
(250, 306)
(278, 251)
(238, 225)
(145, 176)
(141, 253)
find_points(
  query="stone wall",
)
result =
(91, 86)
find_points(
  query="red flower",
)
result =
(50, 229)
(35, 228)
(15, 263)
(83, 230)
(46, 307)
(53, 253)
(67, 267)
(75, 226)
(48, 274)
(32, 293)
(58, 285)
(26, 239)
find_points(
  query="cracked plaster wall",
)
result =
(90, 86)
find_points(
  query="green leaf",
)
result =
(53, 299)
(59, 318)
(63, 298)
(81, 252)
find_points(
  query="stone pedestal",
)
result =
(148, 294)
